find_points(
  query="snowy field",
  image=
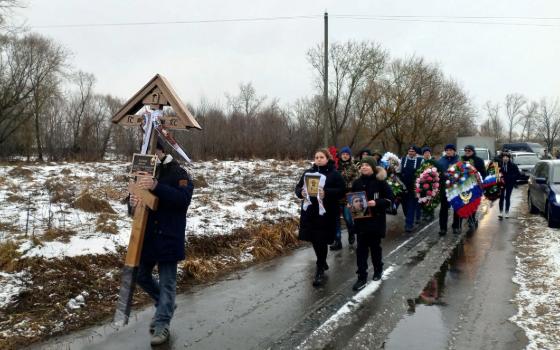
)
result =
(55, 211)
(538, 277)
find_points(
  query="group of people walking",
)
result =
(338, 174)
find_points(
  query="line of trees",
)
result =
(523, 120)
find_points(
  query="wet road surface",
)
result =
(467, 303)
(273, 305)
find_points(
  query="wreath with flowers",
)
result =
(427, 189)
(391, 163)
(491, 183)
(463, 188)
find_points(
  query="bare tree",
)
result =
(549, 122)
(6, 10)
(514, 105)
(528, 116)
(247, 101)
(356, 67)
(493, 126)
(78, 104)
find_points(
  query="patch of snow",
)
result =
(13, 284)
(538, 277)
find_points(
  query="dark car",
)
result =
(525, 161)
(543, 194)
(524, 147)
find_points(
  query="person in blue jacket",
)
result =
(509, 173)
(409, 165)
(164, 240)
(443, 164)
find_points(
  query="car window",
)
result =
(526, 160)
(556, 174)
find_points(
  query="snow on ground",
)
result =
(538, 277)
(36, 198)
(12, 285)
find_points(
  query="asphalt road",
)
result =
(273, 305)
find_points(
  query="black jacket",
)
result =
(164, 239)
(477, 162)
(380, 191)
(312, 226)
(510, 173)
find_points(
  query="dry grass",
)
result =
(113, 192)
(200, 269)
(107, 223)
(14, 198)
(58, 191)
(199, 181)
(20, 171)
(252, 206)
(90, 204)
(9, 255)
(8, 227)
(58, 234)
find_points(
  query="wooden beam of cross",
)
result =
(156, 94)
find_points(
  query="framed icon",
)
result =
(312, 184)
(143, 164)
(358, 205)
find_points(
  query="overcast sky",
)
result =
(207, 60)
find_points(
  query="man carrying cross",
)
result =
(164, 240)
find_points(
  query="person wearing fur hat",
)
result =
(409, 165)
(317, 222)
(443, 164)
(349, 172)
(372, 229)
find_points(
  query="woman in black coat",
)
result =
(509, 173)
(318, 213)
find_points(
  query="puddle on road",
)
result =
(425, 325)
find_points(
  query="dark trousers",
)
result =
(505, 194)
(321, 249)
(444, 214)
(162, 291)
(366, 243)
(411, 209)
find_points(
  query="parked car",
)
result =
(525, 162)
(543, 194)
(524, 147)
(483, 153)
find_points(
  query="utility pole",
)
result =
(326, 84)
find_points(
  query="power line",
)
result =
(486, 20)
(452, 17)
(395, 19)
(222, 20)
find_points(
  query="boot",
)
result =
(351, 238)
(360, 284)
(337, 245)
(319, 278)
